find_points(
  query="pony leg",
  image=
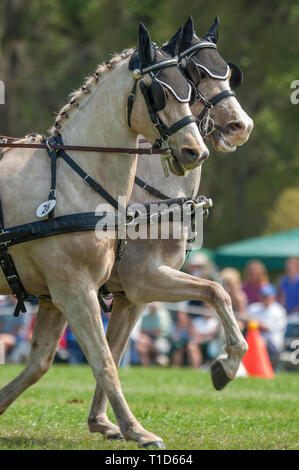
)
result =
(122, 321)
(81, 308)
(48, 329)
(165, 284)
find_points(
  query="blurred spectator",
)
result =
(232, 283)
(204, 330)
(15, 332)
(152, 344)
(272, 320)
(289, 286)
(131, 352)
(181, 338)
(10, 325)
(199, 265)
(255, 277)
(62, 352)
(193, 337)
(75, 353)
(21, 351)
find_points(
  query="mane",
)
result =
(90, 82)
(28, 139)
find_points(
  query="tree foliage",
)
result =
(284, 214)
(48, 46)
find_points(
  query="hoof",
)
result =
(153, 445)
(219, 377)
(116, 437)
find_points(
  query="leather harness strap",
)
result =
(209, 104)
(149, 189)
(10, 272)
(53, 141)
(131, 99)
(164, 131)
(1, 217)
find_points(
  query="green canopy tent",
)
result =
(272, 250)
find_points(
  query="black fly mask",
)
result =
(162, 66)
(200, 58)
(207, 60)
(169, 77)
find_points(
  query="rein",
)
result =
(11, 142)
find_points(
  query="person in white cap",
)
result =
(272, 319)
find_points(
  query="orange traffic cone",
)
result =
(256, 361)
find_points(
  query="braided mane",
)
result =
(90, 82)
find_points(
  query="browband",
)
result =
(193, 48)
(159, 65)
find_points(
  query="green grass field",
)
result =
(179, 405)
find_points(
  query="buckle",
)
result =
(164, 165)
(206, 125)
(192, 204)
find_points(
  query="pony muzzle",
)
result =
(191, 157)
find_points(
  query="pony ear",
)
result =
(172, 47)
(188, 32)
(213, 33)
(146, 53)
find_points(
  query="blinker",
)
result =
(236, 77)
(192, 72)
(157, 95)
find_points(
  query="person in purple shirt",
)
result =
(255, 277)
(289, 286)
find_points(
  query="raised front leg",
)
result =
(48, 329)
(80, 306)
(164, 283)
(122, 321)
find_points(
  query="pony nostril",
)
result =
(236, 126)
(190, 154)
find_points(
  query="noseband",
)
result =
(204, 121)
(154, 97)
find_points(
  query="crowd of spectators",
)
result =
(189, 333)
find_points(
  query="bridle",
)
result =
(148, 91)
(204, 121)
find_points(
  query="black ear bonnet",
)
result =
(206, 60)
(169, 77)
